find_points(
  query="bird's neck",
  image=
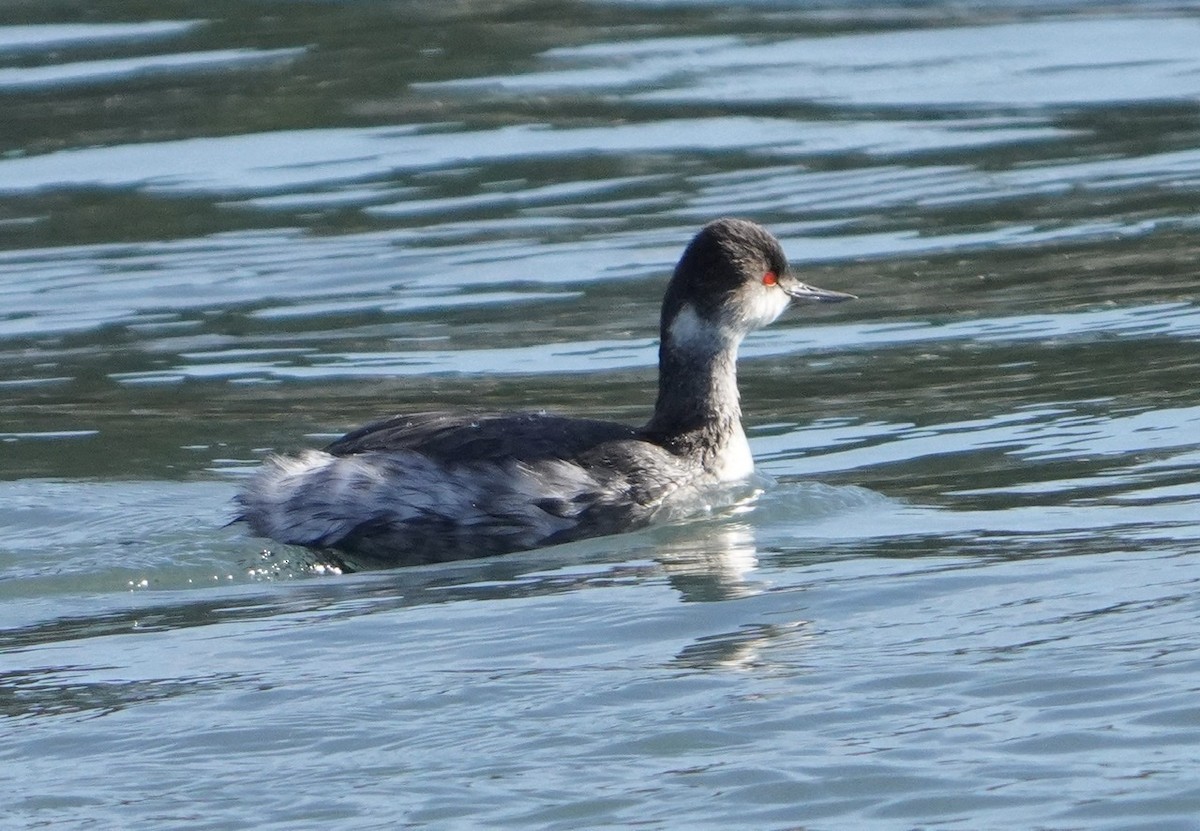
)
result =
(698, 405)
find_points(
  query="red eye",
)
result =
(770, 279)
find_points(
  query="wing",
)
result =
(454, 437)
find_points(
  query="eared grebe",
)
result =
(427, 488)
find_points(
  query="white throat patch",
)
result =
(765, 304)
(761, 306)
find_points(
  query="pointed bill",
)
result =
(803, 291)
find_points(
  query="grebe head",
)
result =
(733, 278)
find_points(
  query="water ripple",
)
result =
(1035, 63)
(36, 37)
(62, 76)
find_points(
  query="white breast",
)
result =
(735, 462)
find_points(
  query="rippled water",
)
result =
(968, 596)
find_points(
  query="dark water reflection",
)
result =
(966, 595)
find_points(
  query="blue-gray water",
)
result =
(969, 597)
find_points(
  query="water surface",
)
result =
(967, 596)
